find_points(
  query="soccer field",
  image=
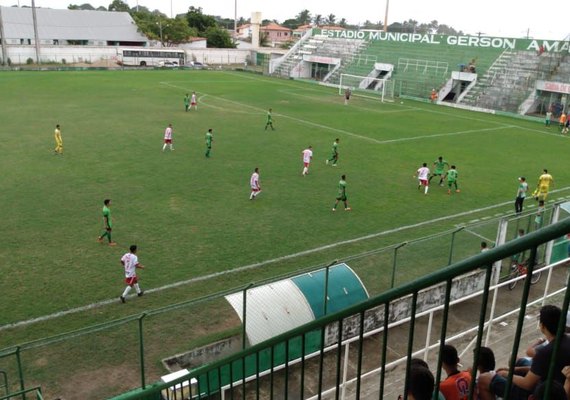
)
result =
(191, 216)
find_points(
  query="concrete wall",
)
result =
(71, 54)
(204, 355)
(93, 54)
(401, 308)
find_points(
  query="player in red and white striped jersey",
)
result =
(307, 156)
(130, 262)
(168, 137)
(255, 185)
(423, 176)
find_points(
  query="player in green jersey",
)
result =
(341, 196)
(107, 222)
(269, 120)
(186, 102)
(209, 139)
(334, 153)
(439, 169)
(451, 176)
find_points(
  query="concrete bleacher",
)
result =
(319, 46)
(418, 82)
(511, 80)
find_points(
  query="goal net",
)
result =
(367, 86)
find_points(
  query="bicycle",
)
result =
(520, 269)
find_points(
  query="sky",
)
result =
(507, 18)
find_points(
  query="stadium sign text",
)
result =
(464, 40)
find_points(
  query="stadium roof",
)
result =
(70, 25)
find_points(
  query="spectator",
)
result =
(557, 392)
(486, 369)
(456, 385)
(566, 373)
(421, 384)
(484, 247)
(523, 386)
(419, 387)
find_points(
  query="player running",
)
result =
(341, 196)
(439, 169)
(107, 222)
(168, 138)
(255, 185)
(423, 174)
(209, 140)
(130, 262)
(269, 120)
(58, 141)
(334, 153)
(451, 176)
(307, 156)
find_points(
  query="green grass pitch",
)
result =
(191, 216)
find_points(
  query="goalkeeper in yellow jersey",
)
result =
(544, 182)
(58, 141)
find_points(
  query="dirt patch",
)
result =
(88, 384)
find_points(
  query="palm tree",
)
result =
(318, 19)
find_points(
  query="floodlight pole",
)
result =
(386, 16)
(235, 19)
(3, 40)
(36, 36)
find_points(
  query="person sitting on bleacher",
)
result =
(486, 370)
(523, 386)
(456, 385)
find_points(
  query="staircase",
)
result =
(510, 81)
(334, 51)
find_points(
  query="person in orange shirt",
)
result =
(456, 385)
(562, 121)
(433, 96)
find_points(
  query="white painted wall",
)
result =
(92, 54)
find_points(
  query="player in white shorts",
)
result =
(193, 101)
(423, 176)
(307, 156)
(168, 138)
(255, 185)
(130, 262)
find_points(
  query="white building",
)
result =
(70, 27)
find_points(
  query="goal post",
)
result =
(367, 86)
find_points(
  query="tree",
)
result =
(177, 31)
(304, 17)
(85, 6)
(218, 38)
(118, 5)
(290, 23)
(318, 20)
(196, 19)
(342, 23)
(331, 19)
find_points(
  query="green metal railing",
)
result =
(207, 378)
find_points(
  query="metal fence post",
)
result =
(20, 372)
(141, 346)
(243, 336)
(452, 244)
(394, 263)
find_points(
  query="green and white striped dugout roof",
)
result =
(281, 306)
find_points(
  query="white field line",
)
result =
(256, 265)
(408, 108)
(330, 128)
